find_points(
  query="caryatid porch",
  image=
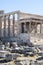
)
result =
(32, 26)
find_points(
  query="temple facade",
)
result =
(24, 25)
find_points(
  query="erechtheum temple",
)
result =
(23, 25)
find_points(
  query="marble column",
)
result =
(9, 26)
(25, 30)
(19, 25)
(29, 26)
(40, 27)
(18, 16)
(35, 27)
(4, 26)
(13, 24)
(0, 25)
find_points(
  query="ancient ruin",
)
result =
(21, 24)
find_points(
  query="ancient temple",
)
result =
(19, 23)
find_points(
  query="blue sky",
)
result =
(30, 6)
